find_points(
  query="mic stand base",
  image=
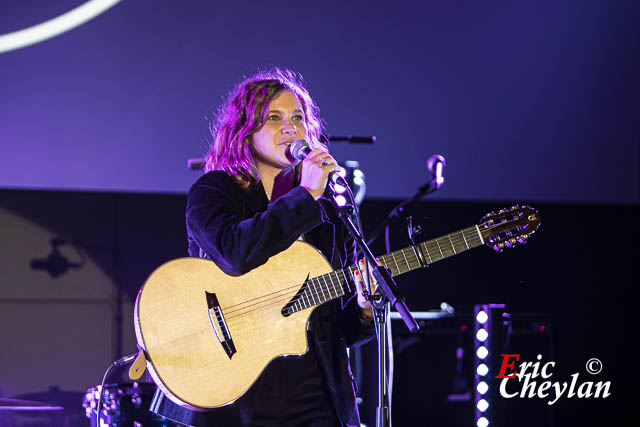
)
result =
(383, 415)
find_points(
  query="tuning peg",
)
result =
(522, 240)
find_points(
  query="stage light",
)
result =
(482, 335)
(55, 26)
(482, 369)
(350, 171)
(339, 189)
(482, 387)
(340, 200)
(486, 325)
(482, 352)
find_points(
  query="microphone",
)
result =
(300, 149)
(348, 138)
(196, 163)
(435, 165)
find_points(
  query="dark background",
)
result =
(530, 103)
(571, 277)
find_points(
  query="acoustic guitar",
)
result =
(208, 336)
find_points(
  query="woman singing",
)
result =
(253, 202)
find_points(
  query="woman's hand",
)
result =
(363, 302)
(316, 168)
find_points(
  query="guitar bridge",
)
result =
(219, 324)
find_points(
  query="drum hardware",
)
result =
(125, 404)
(8, 404)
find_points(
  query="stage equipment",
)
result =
(8, 404)
(56, 263)
(381, 299)
(349, 138)
(435, 165)
(123, 405)
(429, 370)
(356, 180)
(135, 372)
(388, 294)
(486, 318)
(529, 336)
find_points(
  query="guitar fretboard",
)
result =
(320, 289)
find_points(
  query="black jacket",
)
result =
(240, 230)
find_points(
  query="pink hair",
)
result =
(244, 113)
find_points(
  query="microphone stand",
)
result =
(383, 412)
(427, 188)
(387, 295)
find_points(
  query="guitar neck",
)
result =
(407, 259)
(320, 289)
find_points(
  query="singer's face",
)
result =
(285, 123)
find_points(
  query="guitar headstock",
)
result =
(507, 227)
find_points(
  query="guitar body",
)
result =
(182, 327)
(208, 336)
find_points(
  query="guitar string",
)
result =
(251, 323)
(242, 320)
(239, 326)
(245, 323)
(241, 317)
(261, 299)
(308, 292)
(351, 268)
(313, 292)
(407, 253)
(458, 237)
(296, 287)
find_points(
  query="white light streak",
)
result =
(56, 26)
